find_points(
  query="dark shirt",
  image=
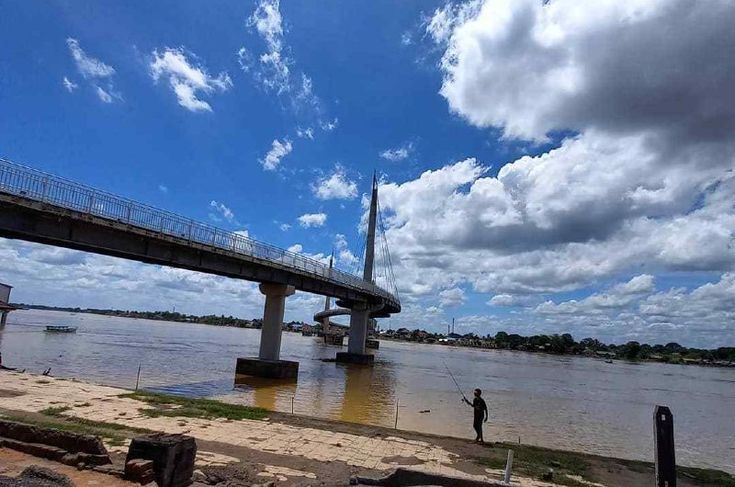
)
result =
(478, 404)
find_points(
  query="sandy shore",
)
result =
(293, 450)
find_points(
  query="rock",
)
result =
(45, 476)
(172, 456)
(71, 442)
(70, 459)
(139, 470)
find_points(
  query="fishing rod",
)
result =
(455, 382)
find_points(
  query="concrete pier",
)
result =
(358, 334)
(3, 318)
(269, 363)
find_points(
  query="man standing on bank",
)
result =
(480, 410)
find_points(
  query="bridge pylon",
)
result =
(360, 310)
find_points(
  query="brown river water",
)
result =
(573, 403)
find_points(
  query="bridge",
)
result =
(40, 207)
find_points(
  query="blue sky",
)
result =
(270, 118)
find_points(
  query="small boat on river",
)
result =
(61, 329)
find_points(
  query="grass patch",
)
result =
(193, 408)
(533, 462)
(54, 410)
(707, 476)
(72, 425)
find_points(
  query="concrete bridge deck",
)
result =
(38, 207)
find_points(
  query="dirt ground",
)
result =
(12, 463)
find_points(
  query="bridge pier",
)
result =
(3, 318)
(355, 353)
(269, 363)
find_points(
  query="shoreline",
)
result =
(130, 315)
(346, 448)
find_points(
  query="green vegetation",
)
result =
(176, 406)
(54, 410)
(534, 462)
(566, 345)
(112, 433)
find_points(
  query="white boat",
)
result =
(61, 329)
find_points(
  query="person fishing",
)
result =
(478, 404)
(480, 411)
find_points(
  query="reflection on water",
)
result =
(564, 402)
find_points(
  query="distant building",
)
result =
(5, 306)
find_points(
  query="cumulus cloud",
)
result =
(398, 153)
(279, 150)
(530, 67)
(452, 297)
(188, 79)
(643, 181)
(334, 186)
(95, 71)
(345, 257)
(272, 68)
(309, 220)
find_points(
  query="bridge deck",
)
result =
(43, 208)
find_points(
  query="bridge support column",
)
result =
(268, 363)
(3, 318)
(355, 354)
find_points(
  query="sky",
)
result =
(544, 167)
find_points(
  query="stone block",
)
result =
(71, 442)
(355, 358)
(271, 369)
(140, 471)
(172, 456)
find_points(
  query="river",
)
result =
(573, 403)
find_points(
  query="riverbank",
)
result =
(299, 450)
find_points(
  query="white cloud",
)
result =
(334, 186)
(69, 85)
(452, 297)
(223, 211)
(189, 81)
(88, 66)
(163, 188)
(103, 95)
(309, 220)
(345, 257)
(329, 126)
(530, 67)
(398, 153)
(272, 70)
(296, 248)
(279, 150)
(284, 227)
(305, 133)
(93, 70)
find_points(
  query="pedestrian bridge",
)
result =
(39, 207)
(48, 209)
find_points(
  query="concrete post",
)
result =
(358, 328)
(275, 305)
(663, 438)
(3, 318)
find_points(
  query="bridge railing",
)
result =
(30, 183)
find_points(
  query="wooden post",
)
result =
(508, 467)
(663, 437)
(395, 426)
(137, 379)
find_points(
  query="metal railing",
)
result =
(26, 182)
